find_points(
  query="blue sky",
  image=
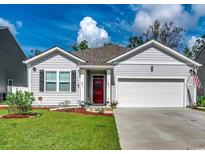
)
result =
(45, 26)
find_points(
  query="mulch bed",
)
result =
(41, 108)
(34, 108)
(12, 116)
(83, 111)
(3, 107)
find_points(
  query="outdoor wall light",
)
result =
(34, 69)
(192, 72)
(152, 68)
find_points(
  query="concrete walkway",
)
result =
(160, 128)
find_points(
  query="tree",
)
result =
(188, 53)
(35, 52)
(135, 42)
(167, 33)
(196, 48)
(108, 43)
(81, 46)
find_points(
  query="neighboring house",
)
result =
(13, 73)
(201, 72)
(151, 75)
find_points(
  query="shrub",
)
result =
(100, 110)
(113, 104)
(19, 102)
(201, 101)
(84, 104)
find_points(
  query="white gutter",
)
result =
(95, 66)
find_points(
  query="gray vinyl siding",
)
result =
(11, 62)
(201, 73)
(54, 62)
(151, 55)
(126, 68)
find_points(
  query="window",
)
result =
(51, 81)
(64, 81)
(10, 82)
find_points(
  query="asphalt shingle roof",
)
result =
(98, 56)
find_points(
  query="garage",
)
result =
(150, 92)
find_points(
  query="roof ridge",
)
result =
(100, 47)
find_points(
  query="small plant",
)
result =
(65, 104)
(100, 110)
(88, 102)
(84, 104)
(19, 102)
(113, 104)
(40, 98)
(201, 101)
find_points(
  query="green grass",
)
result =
(58, 130)
(2, 102)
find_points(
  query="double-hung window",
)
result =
(51, 80)
(64, 81)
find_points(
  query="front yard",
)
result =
(59, 130)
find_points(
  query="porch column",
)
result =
(108, 86)
(82, 84)
(29, 77)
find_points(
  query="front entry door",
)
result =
(98, 90)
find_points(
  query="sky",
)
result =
(44, 26)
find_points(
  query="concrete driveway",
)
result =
(160, 128)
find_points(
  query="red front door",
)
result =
(98, 88)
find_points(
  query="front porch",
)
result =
(95, 84)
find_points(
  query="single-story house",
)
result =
(13, 73)
(151, 75)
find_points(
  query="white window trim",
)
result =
(57, 79)
(45, 81)
(64, 81)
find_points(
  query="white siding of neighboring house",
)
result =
(54, 62)
(171, 68)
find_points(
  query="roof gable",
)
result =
(6, 35)
(51, 51)
(162, 47)
(150, 55)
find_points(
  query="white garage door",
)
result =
(150, 92)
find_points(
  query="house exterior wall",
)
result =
(201, 73)
(171, 68)
(11, 66)
(54, 62)
(150, 55)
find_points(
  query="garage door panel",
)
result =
(150, 93)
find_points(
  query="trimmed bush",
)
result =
(201, 101)
(19, 102)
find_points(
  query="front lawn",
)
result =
(59, 130)
(2, 102)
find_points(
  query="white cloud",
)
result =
(147, 14)
(191, 42)
(6, 23)
(198, 9)
(90, 32)
(12, 27)
(19, 24)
